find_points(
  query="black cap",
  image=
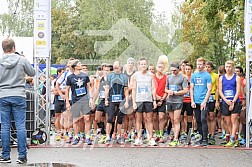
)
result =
(175, 65)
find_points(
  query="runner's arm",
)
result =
(238, 89)
(126, 94)
(59, 90)
(55, 91)
(90, 90)
(153, 85)
(96, 92)
(209, 90)
(184, 86)
(220, 90)
(134, 85)
(191, 91)
(67, 96)
(217, 91)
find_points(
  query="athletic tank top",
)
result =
(187, 98)
(117, 82)
(129, 76)
(229, 87)
(102, 88)
(160, 83)
(143, 89)
(241, 96)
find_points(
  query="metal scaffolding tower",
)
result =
(42, 54)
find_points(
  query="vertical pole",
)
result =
(48, 100)
(246, 28)
(36, 98)
(42, 52)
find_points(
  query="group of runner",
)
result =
(136, 104)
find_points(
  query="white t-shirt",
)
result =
(62, 81)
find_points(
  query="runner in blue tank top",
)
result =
(229, 90)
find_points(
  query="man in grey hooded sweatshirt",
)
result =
(13, 69)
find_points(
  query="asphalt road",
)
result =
(137, 157)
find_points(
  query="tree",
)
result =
(19, 20)
(218, 28)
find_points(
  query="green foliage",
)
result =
(216, 29)
(19, 20)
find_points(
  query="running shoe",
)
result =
(125, 136)
(65, 137)
(166, 133)
(183, 136)
(83, 137)
(58, 137)
(22, 160)
(5, 160)
(152, 142)
(195, 143)
(70, 138)
(222, 136)
(174, 143)
(239, 137)
(76, 141)
(102, 140)
(89, 141)
(204, 143)
(237, 143)
(243, 142)
(198, 136)
(161, 140)
(120, 140)
(114, 136)
(107, 142)
(131, 137)
(211, 141)
(138, 142)
(229, 144)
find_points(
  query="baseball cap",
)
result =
(174, 66)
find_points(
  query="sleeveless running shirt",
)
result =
(102, 88)
(117, 82)
(160, 90)
(143, 89)
(229, 87)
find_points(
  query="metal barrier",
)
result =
(30, 117)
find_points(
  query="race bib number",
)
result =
(80, 91)
(102, 94)
(174, 88)
(229, 93)
(199, 81)
(211, 98)
(116, 98)
(187, 94)
(142, 90)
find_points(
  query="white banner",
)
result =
(248, 44)
(42, 28)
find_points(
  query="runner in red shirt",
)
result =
(159, 112)
(187, 108)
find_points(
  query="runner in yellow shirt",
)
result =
(213, 102)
